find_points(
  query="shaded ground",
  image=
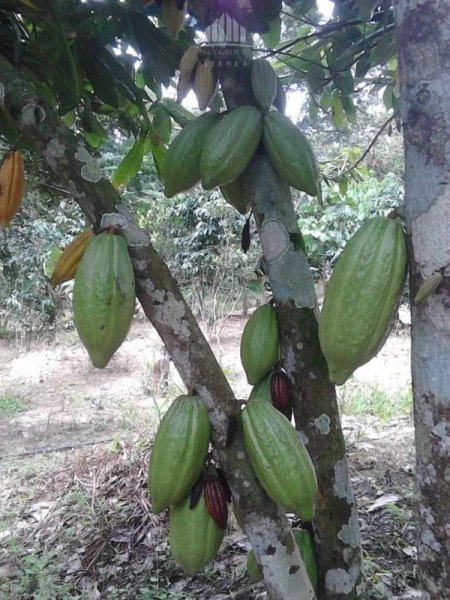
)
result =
(77, 523)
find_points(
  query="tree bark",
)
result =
(264, 523)
(423, 39)
(316, 412)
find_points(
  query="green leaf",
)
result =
(272, 37)
(131, 163)
(49, 264)
(388, 96)
(349, 107)
(343, 186)
(337, 116)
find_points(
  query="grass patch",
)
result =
(9, 405)
(363, 399)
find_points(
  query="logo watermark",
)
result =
(229, 42)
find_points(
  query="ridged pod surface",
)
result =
(181, 169)
(264, 83)
(291, 153)
(305, 543)
(260, 343)
(230, 146)
(279, 459)
(179, 451)
(362, 296)
(67, 264)
(12, 185)
(173, 16)
(205, 83)
(236, 195)
(194, 537)
(429, 286)
(188, 64)
(104, 296)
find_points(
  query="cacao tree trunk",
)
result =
(423, 39)
(316, 412)
(264, 523)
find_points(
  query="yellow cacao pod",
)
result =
(188, 64)
(66, 265)
(12, 184)
(173, 16)
(204, 83)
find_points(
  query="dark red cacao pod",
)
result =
(216, 500)
(224, 482)
(279, 390)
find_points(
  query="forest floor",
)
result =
(74, 444)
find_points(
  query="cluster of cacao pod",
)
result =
(104, 291)
(362, 296)
(278, 456)
(197, 494)
(216, 148)
(12, 185)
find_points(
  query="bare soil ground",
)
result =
(74, 510)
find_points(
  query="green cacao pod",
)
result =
(305, 543)
(261, 390)
(264, 83)
(279, 459)
(428, 287)
(194, 536)
(260, 343)
(235, 194)
(291, 153)
(181, 169)
(362, 297)
(179, 451)
(230, 146)
(104, 296)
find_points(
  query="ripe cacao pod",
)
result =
(104, 296)
(305, 543)
(12, 185)
(264, 83)
(291, 153)
(362, 297)
(216, 500)
(188, 64)
(205, 83)
(279, 459)
(179, 451)
(230, 146)
(173, 14)
(67, 263)
(181, 169)
(194, 536)
(260, 343)
(236, 195)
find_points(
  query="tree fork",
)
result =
(315, 408)
(264, 522)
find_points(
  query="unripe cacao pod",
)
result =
(230, 146)
(305, 543)
(429, 286)
(181, 169)
(216, 500)
(291, 153)
(260, 343)
(67, 263)
(104, 296)
(194, 537)
(12, 185)
(264, 83)
(261, 390)
(362, 297)
(179, 451)
(279, 459)
(236, 195)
